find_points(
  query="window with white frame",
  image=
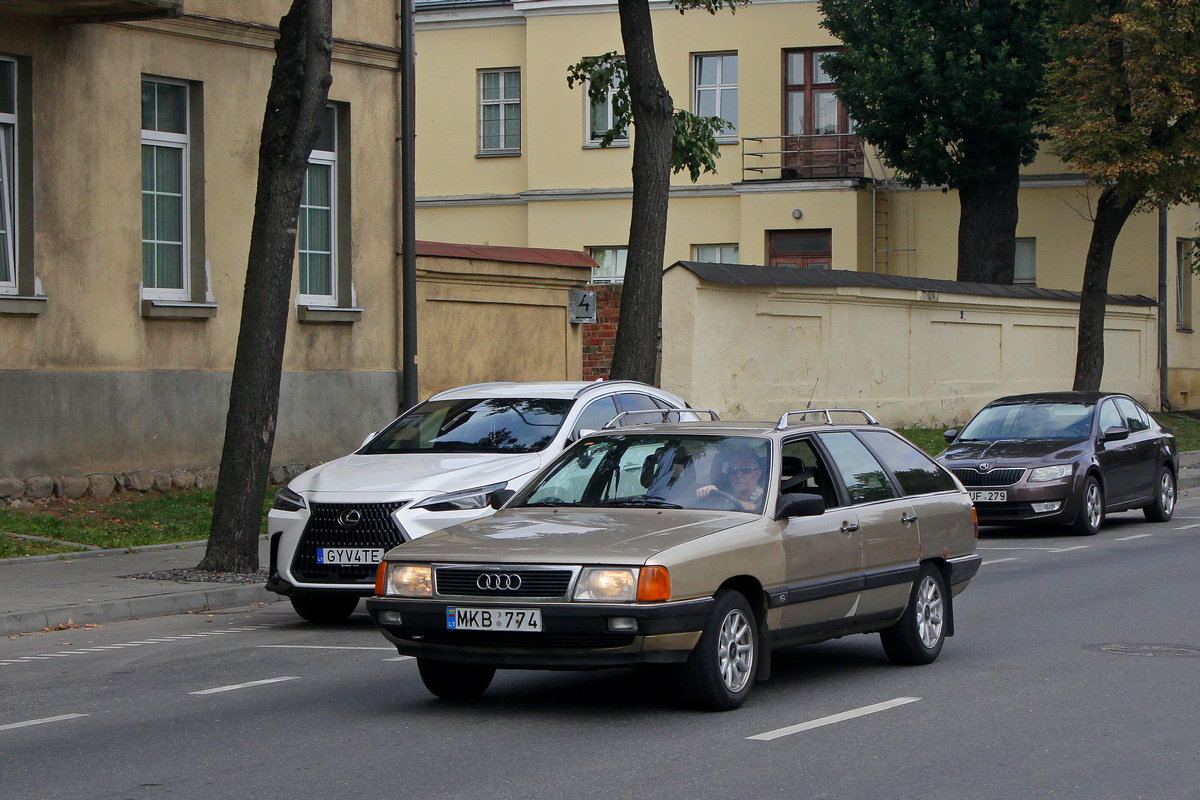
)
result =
(317, 224)
(8, 172)
(1025, 261)
(715, 253)
(601, 118)
(610, 264)
(715, 90)
(165, 167)
(1184, 255)
(500, 111)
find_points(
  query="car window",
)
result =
(628, 401)
(864, 478)
(803, 471)
(1110, 417)
(1031, 420)
(595, 416)
(1132, 416)
(915, 471)
(656, 471)
(493, 425)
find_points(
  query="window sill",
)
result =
(499, 154)
(23, 306)
(598, 146)
(1181, 329)
(177, 309)
(328, 314)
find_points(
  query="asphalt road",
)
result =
(1073, 675)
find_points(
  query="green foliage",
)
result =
(946, 91)
(127, 520)
(1123, 91)
(694, 143)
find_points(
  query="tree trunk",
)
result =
(987, 228)
(1111, 214)
(295, 107)
(635, 353)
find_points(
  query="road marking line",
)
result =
(997, 561)
(830, 720)
(318, 647)
(55, 655)
(1050, 549)
(219, 689)
(401, 658)
(1069, 549)
(1188, 527)
(1137, 536)
(61, 717)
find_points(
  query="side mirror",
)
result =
(950, 435)
(1115, 434)
(498, 498)
(799, 505)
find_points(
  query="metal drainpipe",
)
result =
(1164, 398)
(406, 239)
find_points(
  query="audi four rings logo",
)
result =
(348, 519)
(499, 581)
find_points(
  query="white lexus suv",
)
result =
(436, 465)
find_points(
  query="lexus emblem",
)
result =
(984, 467)
(499, 581)
(349, 518)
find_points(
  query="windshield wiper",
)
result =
(549, 501)
(640, 502)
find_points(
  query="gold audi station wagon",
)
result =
(702, 545)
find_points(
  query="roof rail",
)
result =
(601, 382)
(469, 386)
(827, 413)
(664, 413)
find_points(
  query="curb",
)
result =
(197, 600)
(118, 551)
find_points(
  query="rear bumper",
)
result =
(573, 635)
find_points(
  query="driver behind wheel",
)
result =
(739, 476)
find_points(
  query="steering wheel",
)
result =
(734, 503)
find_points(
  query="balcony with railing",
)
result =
(809, 157)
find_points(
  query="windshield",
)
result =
(495, 425)
(654, 471)
(1069, 421)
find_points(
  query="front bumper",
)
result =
(1023, 501)
(573, 635)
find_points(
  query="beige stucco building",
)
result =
(129, 138)
(506, 154)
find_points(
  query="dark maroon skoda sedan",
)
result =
(1066, 458)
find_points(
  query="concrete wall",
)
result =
(908, 358)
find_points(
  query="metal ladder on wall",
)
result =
(889, 225)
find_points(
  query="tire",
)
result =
(324, 608)
(919, 635)
(451, 681)
(1164, 497)
(1091, 508)
(721, 670)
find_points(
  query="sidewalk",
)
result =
(48, 591)
(79, 588)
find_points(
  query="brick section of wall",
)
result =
(600, 336)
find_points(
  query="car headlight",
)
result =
(466, 500)
(408, 580)
(1052, 473)
(607, 585)
(287, 500)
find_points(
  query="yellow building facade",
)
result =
(505, 156)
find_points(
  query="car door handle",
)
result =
(908, 520)
(849, 527)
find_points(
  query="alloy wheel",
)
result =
(735, 651)
(929, 612)
(1092, 502)
(1166, 493)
